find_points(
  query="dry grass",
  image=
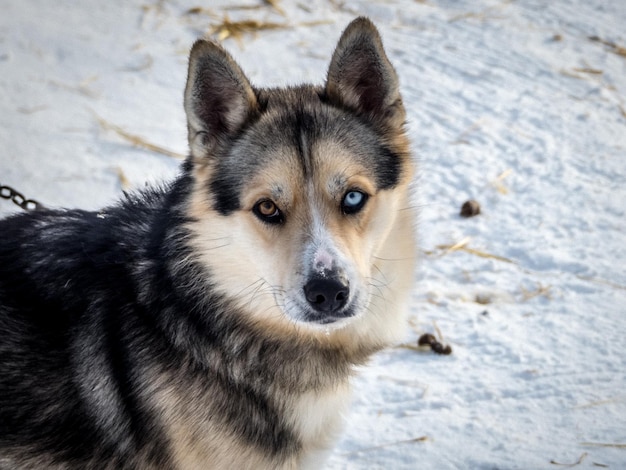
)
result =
(443, 250)
(487, 14)
(601, 281)
(578, 462)
(581, 73)
(137, 141)
(614, 48)
(589, 73)
(613, 445)
(201, 11)
(463, 137)
(82, 87)
(438, 332)
(498, 182)
(571, 74)
(410, 347)
(124, 181)
(484, 254)
(145, 64)
(236, 29)
(588, 70)
(228, 28)
(608, 401)
(540, 290)
(381, 446)
(454, 247)
(483, 299)
(480, 15)
(274, 4)
(33, 109)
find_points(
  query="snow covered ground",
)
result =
(520, 105)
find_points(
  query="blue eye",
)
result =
(353, 202)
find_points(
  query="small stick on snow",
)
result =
(578, 462)
(381, 446)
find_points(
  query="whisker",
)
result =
(378, 296)
(241, 292)
(256, 291)
(379, 289)
(382, 274)
(391, 259)
(216, 247)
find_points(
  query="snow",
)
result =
(519, 105)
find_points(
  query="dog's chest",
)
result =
(317, 418)
(199, 441)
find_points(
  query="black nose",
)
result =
(327, 295)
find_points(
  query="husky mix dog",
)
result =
(216, 322)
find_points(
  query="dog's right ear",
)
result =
(218, 97)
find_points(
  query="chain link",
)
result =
(7, 192)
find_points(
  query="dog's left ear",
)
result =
(361, 78)
(218, 97)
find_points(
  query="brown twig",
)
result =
(381, 446)
(578, 462)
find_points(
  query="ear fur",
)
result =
(360, 76)
(218, 97)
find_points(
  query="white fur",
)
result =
(318, 418)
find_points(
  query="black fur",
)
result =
(63, 271)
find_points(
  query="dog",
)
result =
(216, 321)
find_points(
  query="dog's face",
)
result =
(299, 190)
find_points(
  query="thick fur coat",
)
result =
(215, 322)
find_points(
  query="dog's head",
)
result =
(300, 208)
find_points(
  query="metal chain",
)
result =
(7, 192)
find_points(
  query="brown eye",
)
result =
(267, 208)
(268, 211)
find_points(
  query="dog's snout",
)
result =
(327, 295)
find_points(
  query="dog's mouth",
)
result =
(304, 314)
(320, 318)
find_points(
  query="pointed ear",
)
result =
(218, 97)
(360, 76)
